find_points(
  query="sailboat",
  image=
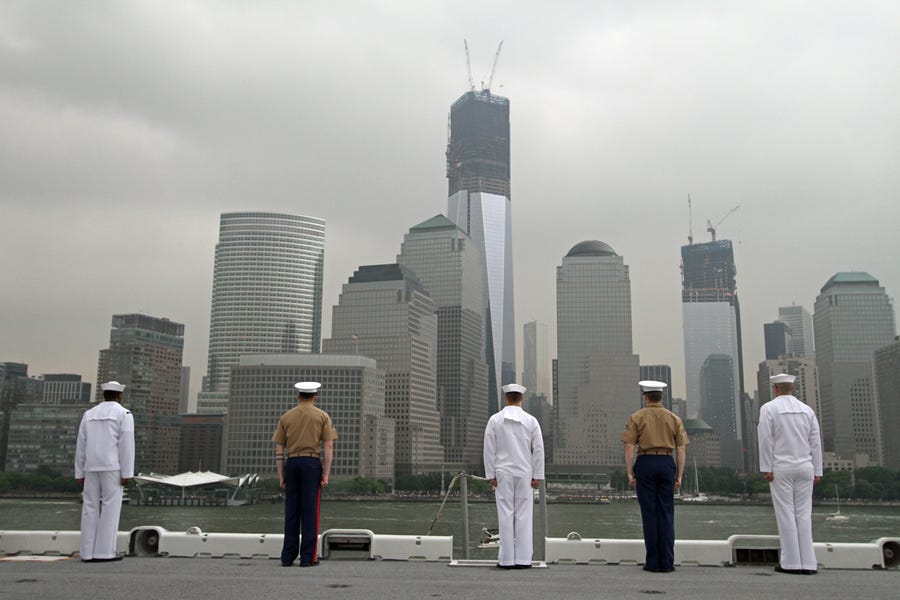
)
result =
(837, 517)
(697, 496)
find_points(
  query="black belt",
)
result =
(298, 454)
(655, 452)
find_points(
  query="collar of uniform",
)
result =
(513, 413)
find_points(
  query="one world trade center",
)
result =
(479, 203)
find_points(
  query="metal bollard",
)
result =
(464, 498)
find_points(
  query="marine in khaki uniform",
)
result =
(654, 434)
(303, 434)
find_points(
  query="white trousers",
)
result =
(792, 499)
(515, 511)
(101, 505)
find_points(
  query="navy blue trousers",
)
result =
(302, 486)
(655, 477)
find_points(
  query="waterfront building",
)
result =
(266, 296)
(806, 386)
(712, 326)
(777, 337)
(184, 394)
(384, 313)
(597, 369)
(536, 372)
(478, 175)
(800, 323)
(704, 446)
(887, 398)
(853, 318)
(145, 355)
(352, 393)
(717, 406)
(661, 373)
(201, 444)
(61, 387)
(44, 435)
(448, 265)
(540, 407)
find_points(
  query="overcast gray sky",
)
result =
(128, 127)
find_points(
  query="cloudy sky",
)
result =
(128, 127)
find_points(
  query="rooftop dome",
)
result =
(591, 248)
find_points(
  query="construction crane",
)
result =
(712, 228)
(468, 68)
(494, 67)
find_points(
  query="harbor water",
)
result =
(619, 520)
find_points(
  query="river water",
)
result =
(620, 519)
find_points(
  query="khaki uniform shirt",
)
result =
(655, 428)
(302, 430)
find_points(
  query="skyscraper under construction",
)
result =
(479, 203)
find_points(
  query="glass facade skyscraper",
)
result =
(712, 326)
(597, 371)
(478, 173)
(853, 318)
(449, 267)
(267, 293)
(384, 313)
(800, 323)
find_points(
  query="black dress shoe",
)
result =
(668, 570)
(778, 569)
(287, 564)
(521, 566)
(810, 572)
(648, 569)
(113, 559)
(505, 567)
(310, 564)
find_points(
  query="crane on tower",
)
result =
(468, 68)
(712, 228)
(494, 67)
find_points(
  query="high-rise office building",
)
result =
(712, 326)
(806, 386)
(661, 373)
(384, 313)
(536, 372)
(853, 318)
(800, 323)
(887, 398)
(62, 387)
(145, 355)
(777, 337)
(448, 265)
(267, 293)
(479, 203)
(352, 393)
(597, 369)
(201, 443)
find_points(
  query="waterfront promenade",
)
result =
(233, 579)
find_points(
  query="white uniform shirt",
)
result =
(105, 440)
(513, 445)
(788, 435)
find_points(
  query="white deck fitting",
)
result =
(882, 553)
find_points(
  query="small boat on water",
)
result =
(490, 538)
(697, 495)
(836, 516)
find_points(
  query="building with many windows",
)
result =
(537, 368)
(887, 399)
(800, 324)
(712, 326)
(448, 265)
(384, 313)
(853, 318)
(266, 296)
(597, 371)
(352, 393)
(661, 373)
(201, 443)
(145, 354)
(479, 203)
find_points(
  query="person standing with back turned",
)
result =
(656, 433)
(790, 458)
(514, 464)
(300, 437)
(104, 462)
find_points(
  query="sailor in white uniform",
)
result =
(790, 458)
(104, 462)
(514, 464)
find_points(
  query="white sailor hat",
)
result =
(308, 387)
(648, 385)
(112, 386)
(782, 378)
(513, 388)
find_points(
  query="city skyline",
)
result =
(614, 124)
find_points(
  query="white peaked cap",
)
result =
(513, 388)
(648, 385)
(308, 387)
(782, 378)
(112, 386)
